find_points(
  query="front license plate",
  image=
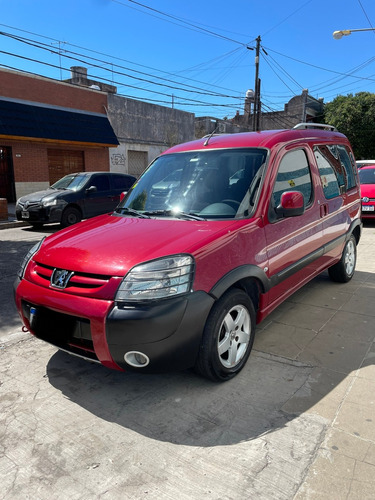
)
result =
(368, 208)
(25, 214)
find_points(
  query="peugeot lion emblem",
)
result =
(60, 278)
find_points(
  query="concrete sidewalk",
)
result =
(297, 423)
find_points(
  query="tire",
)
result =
(70, 216)
(227, 338)
(343, 271)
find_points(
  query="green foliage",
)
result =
(354, 116)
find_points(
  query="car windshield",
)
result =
(72, 181)
(367, 175)
(214, 184)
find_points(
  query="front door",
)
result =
(99, 201)
(293, 243)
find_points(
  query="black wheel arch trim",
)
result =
(242, 272)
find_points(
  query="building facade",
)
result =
(50, 128)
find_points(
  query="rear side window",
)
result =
(293, 175)
(336, 169)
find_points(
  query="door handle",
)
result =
(323, 210)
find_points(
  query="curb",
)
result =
(11, 224)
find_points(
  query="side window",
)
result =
(347, 162)
(101, 182)
(121, 182)
(332, 172)
(293, 175)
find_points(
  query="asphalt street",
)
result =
(297, 423)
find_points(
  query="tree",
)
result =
(354, 116)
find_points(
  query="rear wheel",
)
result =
(228, 337)
(70, 216)
(343, 271)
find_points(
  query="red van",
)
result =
(214, 235)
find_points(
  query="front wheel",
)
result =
(70, 216)
(343, 271)
(228, 337)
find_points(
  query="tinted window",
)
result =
(293, 175)
(122, 182)
(101, 182)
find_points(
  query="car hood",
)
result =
(368, 190)
(39, 195)
(111, 245)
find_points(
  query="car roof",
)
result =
(263, 139)
(368, 167)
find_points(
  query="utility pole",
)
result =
(256, 116)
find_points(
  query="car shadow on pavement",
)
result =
(182, 408)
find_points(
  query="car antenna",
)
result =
(209, 136)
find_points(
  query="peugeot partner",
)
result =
(215, 235)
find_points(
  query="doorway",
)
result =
(7, 188)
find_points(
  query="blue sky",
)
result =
(194, 55)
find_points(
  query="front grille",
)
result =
(30, 205)
(86, 284)
(70, 333)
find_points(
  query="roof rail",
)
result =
(315, 125)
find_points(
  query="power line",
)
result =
(189, 25)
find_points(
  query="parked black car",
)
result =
(73, 198)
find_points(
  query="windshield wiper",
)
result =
(131, 211)
(173, 213)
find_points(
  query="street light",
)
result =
(339, 34)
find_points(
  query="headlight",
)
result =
(157, 279)
(27, 258)
(49, 202)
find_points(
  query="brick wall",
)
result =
(38, 89)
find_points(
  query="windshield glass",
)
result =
(73, 182)
(367, 175)
(215, 184)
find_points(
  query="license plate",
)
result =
(368, 208)
(25, 214)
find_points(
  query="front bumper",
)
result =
(168, 332)
(39, 214)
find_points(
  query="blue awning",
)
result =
(21, 121)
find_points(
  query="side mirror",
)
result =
(122, 195)
(91, 189)
(292, 203)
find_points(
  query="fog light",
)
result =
(136, 359)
